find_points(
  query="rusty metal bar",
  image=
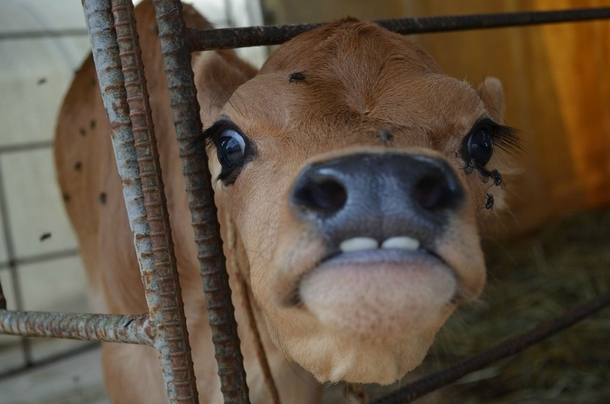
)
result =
(503, 350)
(176, 54)
(132, 329)
(159, 279)
(174, 347)
(228, 38)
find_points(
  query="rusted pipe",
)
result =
(177, 58)
(503, 350)
(132, 329)
(228, 38)
(160, 283)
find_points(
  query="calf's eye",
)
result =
(480, 146)
(231, 149)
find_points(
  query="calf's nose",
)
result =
(379, 195)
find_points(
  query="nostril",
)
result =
(434, 192)
(321, 194)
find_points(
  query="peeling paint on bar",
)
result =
(133, 329)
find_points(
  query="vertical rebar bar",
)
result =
(177, 58)
(166, 272)
(160, 284)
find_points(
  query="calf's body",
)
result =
(352, 175)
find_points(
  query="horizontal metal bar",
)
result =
(43, 34)
(34, 259)
(43, 144)
(132, 329)
(503, 350)
(227, 38)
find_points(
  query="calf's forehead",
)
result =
(355, 78)
(347, 43)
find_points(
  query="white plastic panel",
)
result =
(34, 203)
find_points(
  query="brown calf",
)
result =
(352, 175)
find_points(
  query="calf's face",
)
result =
(356, 174)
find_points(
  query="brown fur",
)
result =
(358, 78)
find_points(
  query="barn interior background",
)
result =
(557, 89)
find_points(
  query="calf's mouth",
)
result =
(377, 251)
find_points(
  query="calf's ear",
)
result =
(217, 75)
(492, 94)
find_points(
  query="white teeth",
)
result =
(404, 243)
(359, 244)
(367, 243)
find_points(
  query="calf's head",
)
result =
(356, 174)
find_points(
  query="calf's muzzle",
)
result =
(378, 195)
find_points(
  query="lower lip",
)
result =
(380, 292)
